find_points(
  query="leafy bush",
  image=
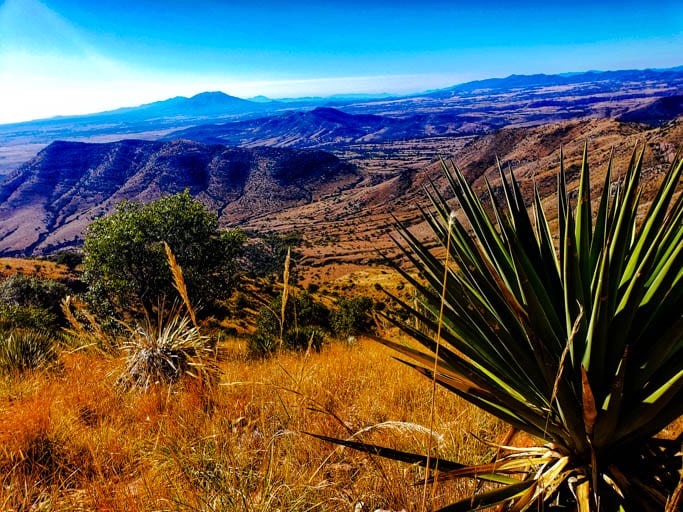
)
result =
(125, 263)
(22, 350)
(262, 344)
(69, 258)
(302, 339)
(27, 317)
(31, 302)
(302, 313)
(352, 317)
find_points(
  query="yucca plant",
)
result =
(160, 351)
(164, 349)
(576, 339)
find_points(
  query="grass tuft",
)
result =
(22, 350)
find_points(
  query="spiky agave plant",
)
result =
(580, 345)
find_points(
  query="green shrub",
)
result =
(302, 313)
(22, 350)
(27, 317)
(31, 302)
(125, 264)
(301, 339)
(352, 317)
(69, 258)
(262, 344)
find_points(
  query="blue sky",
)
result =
(66, 57)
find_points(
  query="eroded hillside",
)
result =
(47, 203)
(344, 207)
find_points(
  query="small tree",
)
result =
(69, 258)
(125, 263)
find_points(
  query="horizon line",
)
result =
(409, 92)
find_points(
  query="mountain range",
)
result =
(261, 164)
(472, 108)
(323, 127)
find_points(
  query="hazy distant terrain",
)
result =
(258, 164)
(475, 108)
(471, 108)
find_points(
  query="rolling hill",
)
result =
(345, 212)
(46, 204)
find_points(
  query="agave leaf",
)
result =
(647, 418)
(626, 210)
(486, 234)
(596, 336)
(655, 216)
(549, 481)
(521, 239)
(584, 228)
(590, 412)
(412, 458)
(638, 319)
(599, 240)
(461, 335)
(475, 326)
(583, 496)
(546, 245)
(519, 463)
(661, 391)
(609, 416)
(390, 453)
(542, 313)
(574, 298)
(490, 498)
(459, 368)
(476, 215)
(665, 359)
(537, 424)
(670, 272)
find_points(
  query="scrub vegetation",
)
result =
(552, 357)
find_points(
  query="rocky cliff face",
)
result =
(46, 204)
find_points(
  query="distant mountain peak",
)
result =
(214, 97)
(261, 99)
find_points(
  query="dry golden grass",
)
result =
(33, 267)
(72, 440)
